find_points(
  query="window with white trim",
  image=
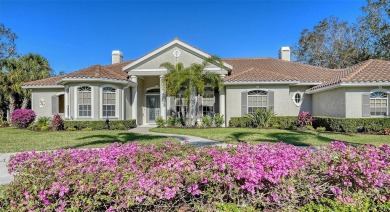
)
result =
(84, 101)
(297, 98)
(257, 99)
(378, 103)
(109, 102)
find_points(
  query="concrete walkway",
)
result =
(6, 178)
(193, 140)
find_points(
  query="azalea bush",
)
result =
(179, 177)
(22, 118)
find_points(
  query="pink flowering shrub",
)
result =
(174, 176)
(305, 119)
(22, 118)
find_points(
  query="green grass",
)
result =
(299, 138)
(3, 188)
(18, 140)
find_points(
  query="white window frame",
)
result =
(247, 98)
(117, 91)
(76, 100)
(302, 97)
(387, 101)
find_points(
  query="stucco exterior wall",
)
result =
(141, 109)
(306, 105)
(330, 103)
(353, 100)
(127, 94)
(45, 95)
(283, 103)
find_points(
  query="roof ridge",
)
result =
(358, 70)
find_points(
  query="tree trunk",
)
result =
(11, 105)
(25, 103)
(193, 108)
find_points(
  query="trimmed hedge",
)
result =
(100, 125)
(281, 122)
(352, 124)
(330, 123)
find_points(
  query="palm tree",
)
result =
(191, 81)
(17, 71)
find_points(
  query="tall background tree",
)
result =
(191, 81)
(333, 43)
(16, 70)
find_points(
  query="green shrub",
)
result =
(71, 129)
(352, 124)
(87, 129)
(309, 127)
(261, 117)
(99, 125)
(206, 121)
(320, 129)
(218, 120)
(4, 123)
(280, 122)
(171, 121)
(44, 128)
(160, 122)
(43, 121)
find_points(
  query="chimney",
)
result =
(117, 56)
(284, 53)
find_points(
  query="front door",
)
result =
(152, 108)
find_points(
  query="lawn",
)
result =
(299, 138)
(17, 140)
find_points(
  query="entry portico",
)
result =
(149, 100)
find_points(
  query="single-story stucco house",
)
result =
(132, 89)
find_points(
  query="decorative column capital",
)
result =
(134, 78)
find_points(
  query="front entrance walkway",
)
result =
(195, 141)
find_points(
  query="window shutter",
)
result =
(172, 104)
(271, 100)
(54, 104)
(388, 104)
(244, 103)
(366, 105)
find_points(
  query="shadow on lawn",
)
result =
(120, 138)
(297, 138)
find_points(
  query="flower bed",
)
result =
(171, 177)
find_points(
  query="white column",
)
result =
(163, 98)
(222, 100)
(134, 97)
(66, 96)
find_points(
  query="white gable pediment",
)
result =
(174, 52)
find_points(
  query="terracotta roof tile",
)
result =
(258, 75)
(367, 71)
(112, 71)
(46, 81)
(290, 70)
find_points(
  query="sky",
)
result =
(76, 34)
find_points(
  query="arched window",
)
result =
(257, 99)
(109, 102)
(378, 103)
(84, 101)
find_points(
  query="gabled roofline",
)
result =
(347, 84)
(173, 42)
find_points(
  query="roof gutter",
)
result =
(93, 80)
(41, 86)
(348, 84)
(263, 82)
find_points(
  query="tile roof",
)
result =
(289, 70)
(112, 71)
(367, 71)
(46, 81)
(259, 75)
